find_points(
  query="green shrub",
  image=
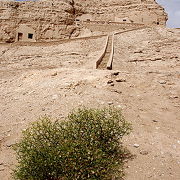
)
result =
(87, 145)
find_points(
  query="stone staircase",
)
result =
(103, 64)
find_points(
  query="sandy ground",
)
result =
(53, 79)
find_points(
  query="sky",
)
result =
(172, 7)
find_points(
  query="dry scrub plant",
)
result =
(85, 146)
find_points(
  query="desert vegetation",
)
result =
(86, 145)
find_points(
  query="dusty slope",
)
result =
(151, 61)
(53, 79)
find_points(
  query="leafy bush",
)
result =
(85, 146)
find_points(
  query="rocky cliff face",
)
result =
(50, 19)
(138, 11)
(54, 19)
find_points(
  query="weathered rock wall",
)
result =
(138, 11)
(50, 19)
(54, 19)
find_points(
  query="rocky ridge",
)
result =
(50, 20)
(55, 19)
(137, 11)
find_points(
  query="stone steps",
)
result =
(105, 59)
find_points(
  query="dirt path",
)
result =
(145, 84)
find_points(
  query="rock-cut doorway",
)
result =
(20, 36)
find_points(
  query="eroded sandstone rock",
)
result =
(48, 20)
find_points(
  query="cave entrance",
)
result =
(20, 36)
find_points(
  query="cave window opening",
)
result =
(30, 36)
